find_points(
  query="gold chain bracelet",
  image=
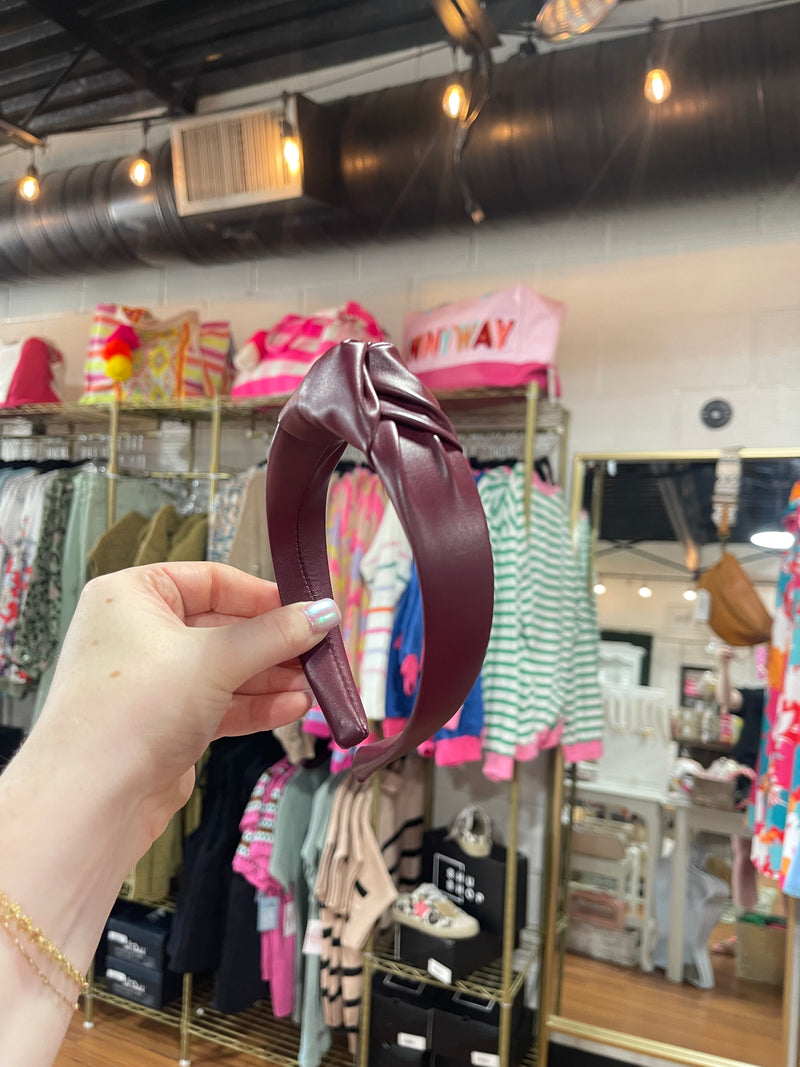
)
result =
(13, 919)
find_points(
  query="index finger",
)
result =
(218, 589)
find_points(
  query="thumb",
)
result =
(254, 645)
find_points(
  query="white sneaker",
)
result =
(472, 831)
(429, 910)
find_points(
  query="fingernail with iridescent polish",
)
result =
(323, 615)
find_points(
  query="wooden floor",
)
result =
(737, 1019)
(121, 1039)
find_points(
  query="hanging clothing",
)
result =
(459, 740)
(356, 503)
(285, 868)
(30, 492)
(775, 810)
(540, 671)
(315, 1036)
(37, 633)
(249, 546)
(385, 569)
(201, 924)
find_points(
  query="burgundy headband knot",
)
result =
(363, 395)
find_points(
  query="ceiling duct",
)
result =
(569, 129)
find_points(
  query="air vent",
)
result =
(236, 159)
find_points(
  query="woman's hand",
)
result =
(157, 662)
(160, 660)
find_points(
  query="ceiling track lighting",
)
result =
(140, 171)
(561, 20)
(657, 83)
(290, 143)
(28, 187)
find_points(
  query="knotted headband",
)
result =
(363, 395)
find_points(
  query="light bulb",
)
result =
(454, 101)
(28, 187)
(291, 154)
(141, 171)
(645, 592)
(690, 594)
(777, 540)
(599, 588)
(657, 85)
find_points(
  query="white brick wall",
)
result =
(665, 308)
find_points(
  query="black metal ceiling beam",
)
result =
(144, 76)
(19, 135)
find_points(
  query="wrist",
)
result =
(67, 840)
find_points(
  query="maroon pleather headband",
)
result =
(362, 394)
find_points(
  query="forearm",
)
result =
(65, 847)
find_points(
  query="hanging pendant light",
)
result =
(28, 187)
(559, 20)
(657, 83)
(140, 171)
(455, 102)
(290, 144)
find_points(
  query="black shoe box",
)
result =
(476, 884)
(401, 1013)
(142, 985)
(467, 1031)
(446, 958)
(138, 934)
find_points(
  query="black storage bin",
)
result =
(401, 1013)
(142, 985)
(138, 934)
(395, 1056)
(443, 957)
(475, 884)
(470, 1033)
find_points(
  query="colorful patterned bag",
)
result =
(274, 362)
(164, 359)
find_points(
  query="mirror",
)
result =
(671, 935)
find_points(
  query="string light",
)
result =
(454, 101)
(645, 592)
(141, 170)
(290, 145)
(28, 187)
(657, 83)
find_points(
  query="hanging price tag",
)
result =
(312, 942)
(268, 910)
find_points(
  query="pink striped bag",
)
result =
(175, 359)
(274, 362)
(504, 339)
